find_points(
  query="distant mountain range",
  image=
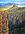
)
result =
(9, 4)
(3, 5)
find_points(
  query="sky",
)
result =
(2, 2)
(11, 1)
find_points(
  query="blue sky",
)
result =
(11, 1)
(2, 2)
